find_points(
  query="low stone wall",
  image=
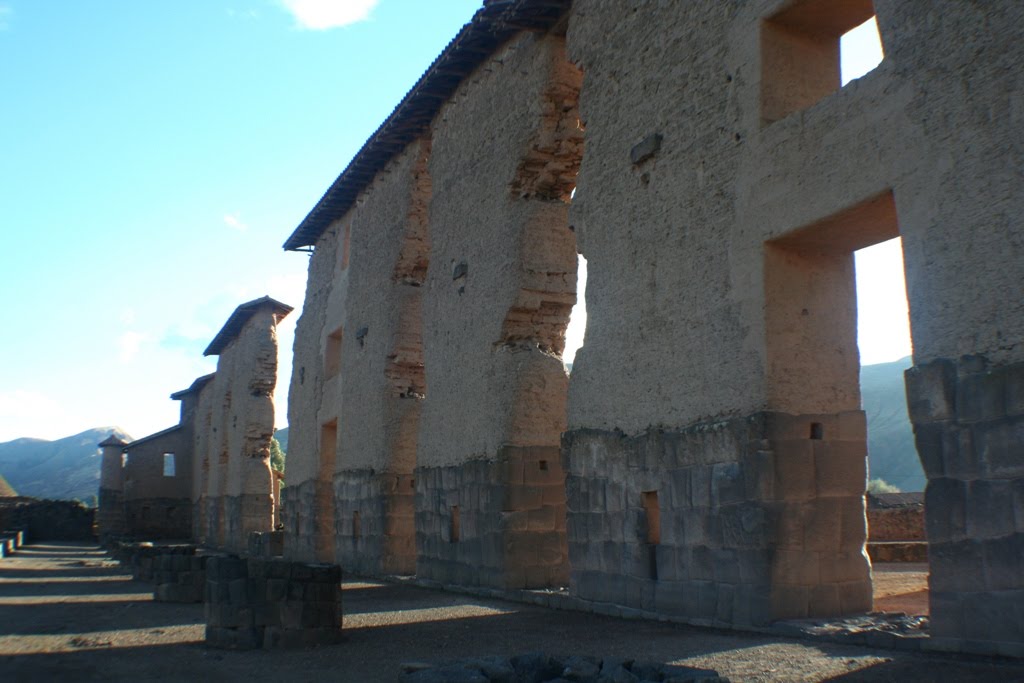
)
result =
(144, 558)
(48, 520)
(271, 603)
(896, 517)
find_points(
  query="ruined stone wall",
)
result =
(158, 506)
(232, 427)
(500, 285)
(718, 212)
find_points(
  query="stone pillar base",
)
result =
(271, 603)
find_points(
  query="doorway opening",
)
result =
(820, 327)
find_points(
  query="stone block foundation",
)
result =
(271, 603)
(497, 523)
(374, 519)
(733, 523)
(968, 418)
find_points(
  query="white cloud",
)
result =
(129, 344)
(5, 16)
(320, 15)
(234, 221)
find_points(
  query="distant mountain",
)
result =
(6, 490)
(67, 468)
(892, 455)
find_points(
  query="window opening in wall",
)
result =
(836, 295)
(356, 525)
(124, 459)
(577, 327)
(860, 51)
(332, 353)
(455, 531)
(169, 464)
(805, 58)
(543, 465)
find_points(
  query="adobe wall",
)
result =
(233, 425)
(499, 289)
(309, 481)
(369, 381)
(720, 362)
(158, 507)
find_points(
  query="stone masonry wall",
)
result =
(494, 523)
(740, 521)
(968, 420)
(271, 603)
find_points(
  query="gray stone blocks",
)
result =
(511, 526)
(969, 427)
(769, 505)
(271, 603)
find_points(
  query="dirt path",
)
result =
(68, 614)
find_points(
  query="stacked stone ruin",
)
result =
(706, 459)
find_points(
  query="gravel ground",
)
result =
(67, 613)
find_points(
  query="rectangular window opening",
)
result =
(169, 464)
(811, 49)
(356, 525)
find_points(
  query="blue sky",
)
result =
(154, 155)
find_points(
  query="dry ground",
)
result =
(69, 614)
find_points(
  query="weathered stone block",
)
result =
(931, 391)
(998, 447)
(840, 468)
(945, 502)
(989, 508)
(794, 470)
(980, 397)
(956, 566)
(1004, 563)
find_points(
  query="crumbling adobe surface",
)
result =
(232, 423)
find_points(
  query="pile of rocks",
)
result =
(875, 629)
(270, 603)
(538, 667)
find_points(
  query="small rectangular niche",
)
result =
(357, 530)
(652, 513)
(455, 531)
(169, 465)
(332, 353)
(800, 53)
